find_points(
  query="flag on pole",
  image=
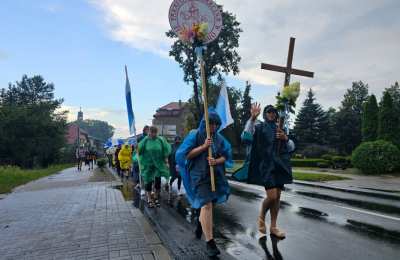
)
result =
(131, 116)
(223, 108)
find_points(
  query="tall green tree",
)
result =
(332, 136)
(32, 132)
(245, 106)
(370, 119)
(348, 118)
(388, 128)
(394, 92)
(312, 123)
(97, 128)
(221, 57)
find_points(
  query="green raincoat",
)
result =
(153, 154)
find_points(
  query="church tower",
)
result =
(80, 114)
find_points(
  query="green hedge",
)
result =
(376, 157)
(309, 162)
(101, 163)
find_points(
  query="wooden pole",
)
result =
(204, 90)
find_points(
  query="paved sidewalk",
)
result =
(79, 220)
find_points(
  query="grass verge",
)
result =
(301, 176)
(11, 177)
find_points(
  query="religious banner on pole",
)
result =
(197, 23)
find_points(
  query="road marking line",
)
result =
(368, 212)
(259, 188)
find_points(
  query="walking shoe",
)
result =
(277, 233)
(150, 204)
(261, 225)
(212, 249)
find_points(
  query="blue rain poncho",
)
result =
(196, 172)
(266, 167)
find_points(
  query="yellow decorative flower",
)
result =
(291, 92)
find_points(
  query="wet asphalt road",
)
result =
(316, 228)
(319, 223)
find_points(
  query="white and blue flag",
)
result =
(131, 116)
(223, 108)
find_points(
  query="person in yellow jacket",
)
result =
(125, 159)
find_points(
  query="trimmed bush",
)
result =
(308, 162)
(101, 163)
(341, 162)
(316, 150)
(323, 165)
(298, 156)
(327, 157)
(376, 157)
(348, 158)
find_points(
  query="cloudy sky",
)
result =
(82, 45)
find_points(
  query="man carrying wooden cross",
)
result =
(271, 148)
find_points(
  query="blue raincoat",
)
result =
(196, 172)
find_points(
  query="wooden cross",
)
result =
(288, 70)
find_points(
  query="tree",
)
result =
(96, 128)
(221, 56)
(348, 119)
(246, 106)
(370, 119)
(332, 136)
(311, 124)
(32, 132)
(388, 128)
(30, 91)
(394, 92)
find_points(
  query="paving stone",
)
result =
(81, 220)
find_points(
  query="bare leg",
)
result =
(275, 206)
(265, 205)
(206, 220)
(274, 215)
(148, 195)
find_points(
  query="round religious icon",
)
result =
(195, 20)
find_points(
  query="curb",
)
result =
(178, 237)
(375, 194)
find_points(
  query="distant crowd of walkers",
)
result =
(85, 156)
(199, 162)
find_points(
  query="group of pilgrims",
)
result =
(267, 163)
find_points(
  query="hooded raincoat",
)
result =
(124, 157)
(196, 172)
(153, 154)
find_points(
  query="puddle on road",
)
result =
(373, 231)
(127, 190)
(312, 213)
(247, 195)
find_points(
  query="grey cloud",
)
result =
(341, 40)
